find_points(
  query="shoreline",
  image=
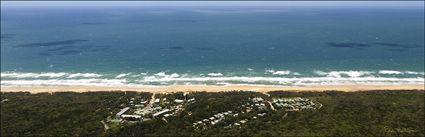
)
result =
(196, 88)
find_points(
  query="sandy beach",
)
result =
(169, 89)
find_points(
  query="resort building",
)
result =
(118, 115)
(132, 117)
(160, 112)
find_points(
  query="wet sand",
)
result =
(170, 89)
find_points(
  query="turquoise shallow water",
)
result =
(142, 43)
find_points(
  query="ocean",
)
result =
(211, 43)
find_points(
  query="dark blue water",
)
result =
(150, 43)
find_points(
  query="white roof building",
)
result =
(178, 101)
(161, 112)
(118, 115)
(131, 117)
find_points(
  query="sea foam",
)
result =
(390, 72)
(85, 75)
(67, 82)
(280, 72)
(32, 75)
(48, 75)
(217, 81)
(394, 72)
(163, 78)
(215, 74)
(340, 74)
(122, 75)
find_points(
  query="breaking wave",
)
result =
(269, 77)
(122, 75)
(48, 75)
(281, 72)
(339, 74)
(67, 82)
(32, 75)
(215, 74)
(393, 72)
(85, 75)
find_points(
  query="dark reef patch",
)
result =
(5, 36)
(356, 45)
(68, 52)
(71, 50)
(55, 43)
(348, 45)
(62, 52)
(66, 47)
(95, 48)
(188, 21)
(190, 48)
(62, 48)
(92, 23)
(205, 49)
(397, 50)
(395, 45)
(174, 48)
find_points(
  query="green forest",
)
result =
(365, 113)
